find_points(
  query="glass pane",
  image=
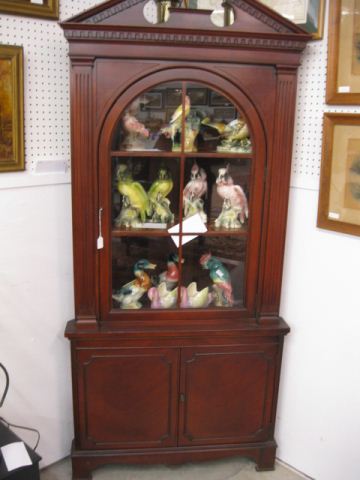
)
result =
(153, 122)
(145, 192)
(213, 272)
(213, 123)
(145, 273)
(218, 190)
(146, 123)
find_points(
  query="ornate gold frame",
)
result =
(15, 55)
(50, 8)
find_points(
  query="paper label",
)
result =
(219, 273)
(189, 225)
(15, 456)
(38, 2)
(344, 89)
(334, 215)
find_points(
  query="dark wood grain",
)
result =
(171, 386)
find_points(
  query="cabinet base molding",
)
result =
(84, 462)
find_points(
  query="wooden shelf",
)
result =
(155, 232)
(147, 153)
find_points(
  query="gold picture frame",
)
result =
(308, 15)
(47, 9)
(11, 109)
(339, 197)
(343, 69)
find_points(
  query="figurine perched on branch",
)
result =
(235, 206)
(159, 204)
(222, 288)
(136, 203)
(194, 190)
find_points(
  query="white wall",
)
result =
(36, 300)
(319, 408)
(319, 404)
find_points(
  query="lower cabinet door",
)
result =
(127, 398)
(227, 394)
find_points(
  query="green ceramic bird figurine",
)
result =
(134, 191)
(130, 293)
(222, 287)
(163, 184)
(159, 204)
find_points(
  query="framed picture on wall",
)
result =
(11, 109)
(308, 14)
(343, 70)
(339, 197)
(33, 8)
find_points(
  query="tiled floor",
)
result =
(233, 469)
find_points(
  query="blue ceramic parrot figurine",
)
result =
(220, 276)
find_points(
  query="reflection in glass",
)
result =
(143, 192)
(155, 121)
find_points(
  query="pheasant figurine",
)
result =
(171, 275)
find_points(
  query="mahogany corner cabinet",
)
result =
(182, 126)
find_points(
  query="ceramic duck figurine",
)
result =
(161, 297)
(222, 288)
(130, 293)
(191, 297)
(171, 275)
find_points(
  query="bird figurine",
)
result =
(159, 204)
(222, 288)
(176, 117)
(163, 184)
(191, 297)
(161, 297)
(171, 275)
(132, 125)
(136, 196)
(135, 131)
(195, 189)
(130, 293)
(235, 203)
(175, 125)
(236, 137)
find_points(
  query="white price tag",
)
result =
(334, 215)
(100, 242)
(38, 2)
(344, 89)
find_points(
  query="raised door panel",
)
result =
(127, 397)
(227, 394)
